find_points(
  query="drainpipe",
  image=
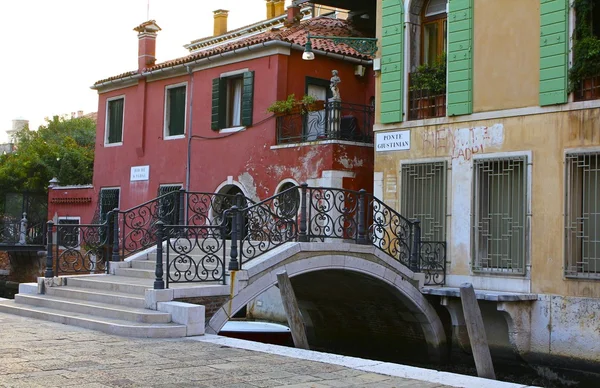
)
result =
(190, 121)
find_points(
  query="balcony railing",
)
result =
(424, 104)
(337, 121)
(589, 89)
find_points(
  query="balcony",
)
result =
(423, 103)
(336, 121)
(588, 89)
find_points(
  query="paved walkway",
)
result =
(36, 353)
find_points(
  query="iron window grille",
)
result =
(582, 215)
(499, 216)
(423, 197)
(109, 200)
(168, 206)
(70, 236)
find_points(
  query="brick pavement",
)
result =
(35, 353)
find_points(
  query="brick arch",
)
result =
(413, 299)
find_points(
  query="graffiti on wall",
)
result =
(463, 143)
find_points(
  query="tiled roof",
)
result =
(295, 34)
(116, 77)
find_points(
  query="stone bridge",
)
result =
(350, 296)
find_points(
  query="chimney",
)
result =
(220, 16)
(293, 15)
(278, 7)
(270, 9)
(147, 44)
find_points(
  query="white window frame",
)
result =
(107, 121)
(232, 74)
(166, 135)
(112, 188)
(71, 218)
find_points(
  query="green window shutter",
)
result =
(392, 61)
(554, 23)
(176, 110)
(247, 98)
(219, 104)
(460, 57)
(115, 121)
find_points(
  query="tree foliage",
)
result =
(61, 148)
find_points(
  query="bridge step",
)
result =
(95, 295)
(110, 283)
(104, 324)
(97, 309)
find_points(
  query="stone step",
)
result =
(92, 295)
(107, 325)
(111, 283)
(94, 308)
(149, 274)
(150, 265)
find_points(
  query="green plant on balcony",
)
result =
(430, 77)
(586, 46)
(291, 105)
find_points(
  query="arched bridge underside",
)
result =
(352, 298)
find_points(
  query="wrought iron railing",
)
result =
(79, 248)
(425, 104)
(194, 253)
(21, 232)
(137, 226)
(336, 121)
(196, 240)
(588, 89)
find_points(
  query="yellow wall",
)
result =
(546, 136)
(506, 52)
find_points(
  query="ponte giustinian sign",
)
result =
(392, 141)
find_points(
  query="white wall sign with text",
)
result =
(392, 141)
(140, 173)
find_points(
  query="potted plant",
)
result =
(430, 81)
(586, 53)
(291, 105)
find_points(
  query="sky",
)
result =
(52, 51)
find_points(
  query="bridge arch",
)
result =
(398, 283)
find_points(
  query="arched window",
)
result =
(434, 32)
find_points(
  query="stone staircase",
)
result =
(122, 303)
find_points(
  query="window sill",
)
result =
(113, 144)
(321, 142)
(232, 130)
(174, 137)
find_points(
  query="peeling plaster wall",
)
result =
(545, 137)
(247, 156)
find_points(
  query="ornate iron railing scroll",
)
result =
(268, 224)
(82, 248)
(432, 255)
(194, 254)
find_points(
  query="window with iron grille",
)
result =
(423, 197)
(69, 236)
(169, 204)
(582, 215)
(499, 216)
(109, 200)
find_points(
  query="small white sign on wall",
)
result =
(392, 141)
(140, 173)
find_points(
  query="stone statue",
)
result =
(335, 80)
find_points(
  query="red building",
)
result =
(201, 122)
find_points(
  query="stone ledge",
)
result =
(493, 296)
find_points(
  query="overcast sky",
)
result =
(52, 51)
